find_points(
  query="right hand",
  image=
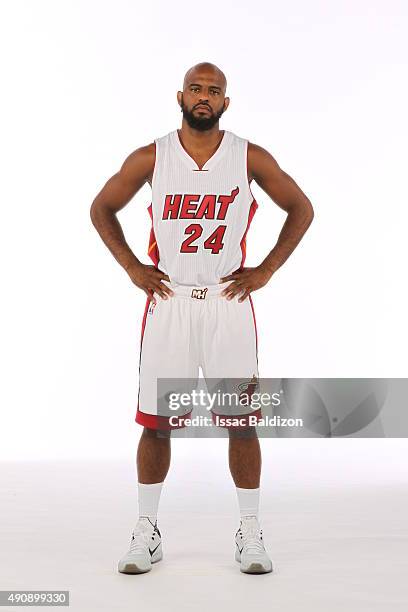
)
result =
(148, 278)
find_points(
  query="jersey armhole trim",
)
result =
(246, 171)
(156, 147)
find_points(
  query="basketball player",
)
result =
(198, 309)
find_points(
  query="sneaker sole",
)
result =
(132, 568)
(256, 568)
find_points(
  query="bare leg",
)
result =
(153, 456)
(245, 457)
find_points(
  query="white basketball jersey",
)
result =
(200, 217)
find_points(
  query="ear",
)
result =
(226, 103)
(179, 97)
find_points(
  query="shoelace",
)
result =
(140, 541)
(251, 538)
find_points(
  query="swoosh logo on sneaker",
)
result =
(154, 549)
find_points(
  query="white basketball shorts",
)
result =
(197, 326)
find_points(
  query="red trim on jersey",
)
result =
(252, 211)
(153, 250)
(249, 181)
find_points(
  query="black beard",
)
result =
(200, 123)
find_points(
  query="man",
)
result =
(198, 310)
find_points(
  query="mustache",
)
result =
(205, 105)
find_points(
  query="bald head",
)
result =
(209, 72)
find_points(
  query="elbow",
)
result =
(302, 209)
(309, 211)
(93, 213)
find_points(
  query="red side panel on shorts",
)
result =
(141, 342)
(153, 253)
(153, 421)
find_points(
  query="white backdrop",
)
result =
(321, 85)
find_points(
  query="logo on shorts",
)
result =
(199, 293)
(151, 308)
(248, 387)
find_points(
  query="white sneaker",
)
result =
(250, 550)
(145, 548)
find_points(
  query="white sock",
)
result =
(149, 497)
(248, 501)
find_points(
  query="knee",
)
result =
(156, 433)
(242, 433)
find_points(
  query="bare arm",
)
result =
(136, 170)
(283, 190)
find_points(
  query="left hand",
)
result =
(245, 280)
